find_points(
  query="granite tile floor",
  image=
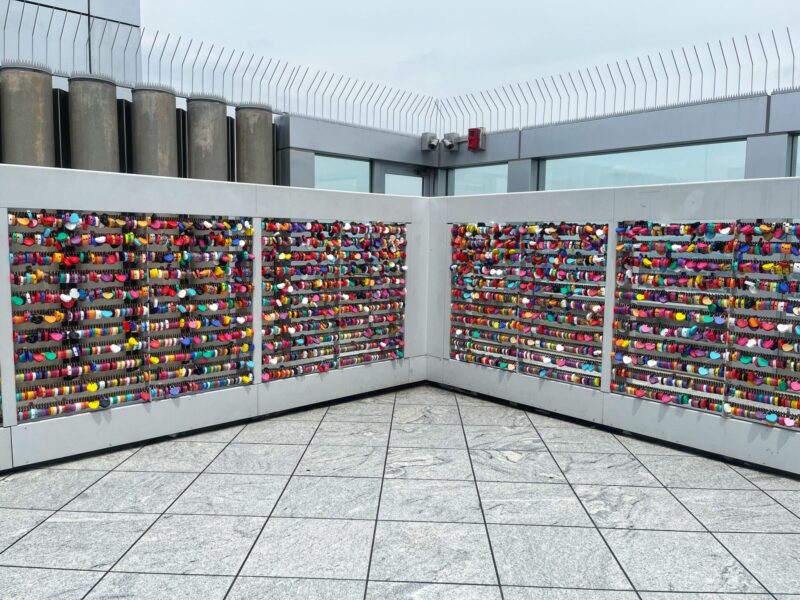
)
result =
(417, 494)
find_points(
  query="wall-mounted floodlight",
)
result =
(450, 142)
(429, 142)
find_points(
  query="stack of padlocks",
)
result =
(530, 297)
(372, 294)
(338, 295)
(119, 308)
(708, 317)
(80, 308)
(562, 296)
(484, 294)
(300, 311)
(200, 328)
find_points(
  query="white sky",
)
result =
(448, 47)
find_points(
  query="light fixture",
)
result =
(429, 142)
(450, 142)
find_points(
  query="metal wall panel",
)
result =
(768, 156)
(784, 112)
(326, 137)
(708, 121)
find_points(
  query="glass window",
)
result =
(701, 162)
(489, 179)
(403, 185)
(796, 171)
(344, 174)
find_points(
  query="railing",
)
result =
(70, 43)
(705, 314)
(669, 311)
(130, 314)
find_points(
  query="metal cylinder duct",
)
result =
(26, 116)
(207, 127)
(94, 134)
(254, 145)
(155, 132)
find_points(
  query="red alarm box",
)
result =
(476, 138)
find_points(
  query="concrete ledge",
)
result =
(298, 392)
(735, 438)
(752, 442)
(59, 437)
(562, 398)
(5, 449)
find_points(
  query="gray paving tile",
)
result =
(608, 469)
(564, 439)
(377, 398)
(768, 481)
(738, 511)
(620, 507)
(335, 433)
(789, 499)
(674, 561)
(277, 431)
(330, 497)
(44, 489)
(467, 400)
(382, 590)
(87, 541)
(151, 585)
(308, 414)
(637, 446)
(219, 434)
(16, 522)
(503, 437)
(128, 491)
(428, 414)
(360, 412)
(493, 415)
(279, 588)
(430, 500)
(428, 463)
(193, 545)
(173, 456)
(694, 472)
(432, 553)
(257, 459)
(17, 583)
(553, 420)
(343, 461)
(416, 435)
(773, 558)
(105, 461)
(531, 504)
(425, 395)
(684, 596)
(520, 593)
(328, 548)
(515, 465)
(227, 494)
(550, 556)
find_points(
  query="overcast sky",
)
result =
(448, 47)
